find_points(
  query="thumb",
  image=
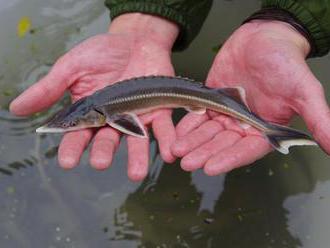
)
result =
(45, 92)
(316, 113)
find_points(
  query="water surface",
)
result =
(280, 201)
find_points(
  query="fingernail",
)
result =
(187, 164)
(178, 150)
(67, 162)
(137, 175)
(100, 163)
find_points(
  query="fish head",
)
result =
(79, 115)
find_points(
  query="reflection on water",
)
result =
(245, 208)
(280, 201)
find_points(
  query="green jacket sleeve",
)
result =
(188, 14)
(314, 15)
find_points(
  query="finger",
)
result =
(233, 124)
(72, 147)
(164, 132)
(244, 152)
(315, 111)
(190, 122)
(44, 93)
(197, 158)
(138, 158)
(184, 145)
(105, 144)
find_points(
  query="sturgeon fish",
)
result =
(119, 104)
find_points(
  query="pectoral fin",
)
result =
(127, 123)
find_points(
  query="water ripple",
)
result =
(18, 126)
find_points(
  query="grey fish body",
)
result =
(118, 104)
(142, 93)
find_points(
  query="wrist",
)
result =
(280, 30)
(146, 29)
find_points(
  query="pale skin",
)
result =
(278, 82)
(267, 59)
(136, 45)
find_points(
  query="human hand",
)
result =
(136, 45)
(267, 59)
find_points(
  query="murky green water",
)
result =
(280, 201)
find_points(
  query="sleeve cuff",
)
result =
(320, 37)
(185, 36)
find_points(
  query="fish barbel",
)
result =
(119, 104)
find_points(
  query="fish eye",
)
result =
(65, 125)
(73, 123)
(69, 124)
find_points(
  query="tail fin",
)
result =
(282, 138)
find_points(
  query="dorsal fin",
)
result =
(237, 93)
(159, 76)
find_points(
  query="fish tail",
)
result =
(282, 138)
